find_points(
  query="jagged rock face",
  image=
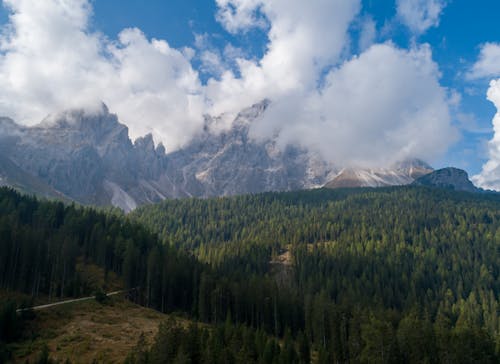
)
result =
(232, 163)
(451, 178)
(90, 158)
(86, 157)
(402, 173)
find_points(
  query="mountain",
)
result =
(12, 175)
(89, 158)
(450, 178)
(402, 173)
(231, 163)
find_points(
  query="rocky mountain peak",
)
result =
(450, 178)
(145, 143)
(97, 127)
(400, 173)
(7, 127)
(246, 116)
(90, 158)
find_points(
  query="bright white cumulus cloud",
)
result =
(373, 109)
(420, 15)
(303, 39)
(50, 61)
(487, 66)
(381, 105)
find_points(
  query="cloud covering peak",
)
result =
(50, 61)
(383, 104)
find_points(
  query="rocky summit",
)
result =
(89, 158)
(402, 173)
(449, 178)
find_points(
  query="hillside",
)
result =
(87, 331)
(401, 274)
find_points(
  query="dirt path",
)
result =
(41, 307)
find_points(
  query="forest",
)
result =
(390, 275)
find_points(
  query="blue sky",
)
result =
(455, 44)
(463, 27)
(455, 40)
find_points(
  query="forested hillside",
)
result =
(361, 276)
(387, 275)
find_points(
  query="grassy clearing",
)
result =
(87, 331)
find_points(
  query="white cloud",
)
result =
(50, 61)
(489, 177)
(420, 15)
(368, 33)
(488, 64)
(304, 39)
(240, 15)
(382, 105)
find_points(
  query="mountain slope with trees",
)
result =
(405, 274)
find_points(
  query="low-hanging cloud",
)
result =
(304, 38)
(50, 61)
(381, 105)
(374, 109)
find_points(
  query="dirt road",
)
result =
(41, 307)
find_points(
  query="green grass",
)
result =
(84, 331)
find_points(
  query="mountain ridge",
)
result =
(89, 157)
(401, 173)
(448, 178)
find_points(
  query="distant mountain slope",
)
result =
(232, 163)
(12, 175)
(450, 178)
(400, 174)
(90, 158)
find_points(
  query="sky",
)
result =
(361, 82)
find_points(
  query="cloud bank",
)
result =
(49, 62)
(487, 66)
(374, 107)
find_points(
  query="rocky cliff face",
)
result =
(451, 178)
(90, 158)
(87, 157)
(399, 174)
(232, 163)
